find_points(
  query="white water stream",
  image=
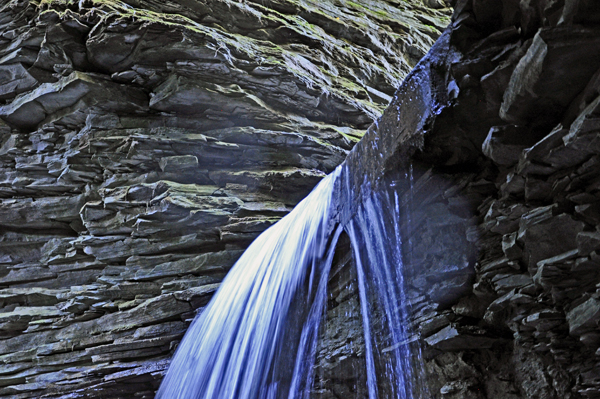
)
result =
(245, 344)
(257, 337)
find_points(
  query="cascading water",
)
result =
(251, 341)
(393, 366)
(258, 336)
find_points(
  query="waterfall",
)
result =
(258, 336)
(393, 367)
(244, 344)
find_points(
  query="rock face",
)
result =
(498, 129)
(144, 144)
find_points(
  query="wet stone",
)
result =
(451, 339)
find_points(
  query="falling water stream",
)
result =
(257, 338)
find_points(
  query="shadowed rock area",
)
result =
(497, 133)
(145, 144)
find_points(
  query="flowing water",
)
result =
(257, 338)
(393, 362)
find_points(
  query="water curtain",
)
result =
(244, 344)
(393, 365)
(258, 336)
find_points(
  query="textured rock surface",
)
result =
(498, 127)
(141, 152)
(146, 143)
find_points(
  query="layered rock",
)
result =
(497, 130)
(145, 144)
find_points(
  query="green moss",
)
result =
(351, 134)
(381, 13)
(123, 10)
(365, 11)
(328, 25)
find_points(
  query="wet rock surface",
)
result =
(144, 145)
(498, 129)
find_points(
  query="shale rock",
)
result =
(144, 145)
(503, 112)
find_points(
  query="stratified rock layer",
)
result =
(146, 143)
(498, 130)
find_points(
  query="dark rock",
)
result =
(43, 213)
(504, 144)
(25, 273)
(535, 158)
(532, 90)
(504, 283)
(584, 317)
(554, 270)
(145, 202)
(545, 320)
(205, 263)
(537, 190)
(591, 339)
(197, 296)
(588, 242)
(178, 163)
(76, 90)
(589, 212)
(580, 11)
(433, 325)
(532, 375)
(497, 266)
(451, 339)
(181, 95)
(510, 247)
(539, 233)
(131, 345)
(514, 185)
(15, 80)
(470, 306)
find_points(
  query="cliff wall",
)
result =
(146, 143)
(497, 133)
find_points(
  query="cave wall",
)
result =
(144, 144)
